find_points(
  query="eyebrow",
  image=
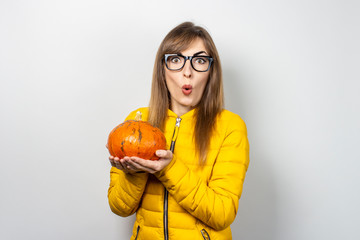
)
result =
(194, 54)
(199, 53)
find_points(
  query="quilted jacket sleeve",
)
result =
(215, 203)
(125, 190)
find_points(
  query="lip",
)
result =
(186, 89)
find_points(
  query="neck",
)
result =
(180, 110)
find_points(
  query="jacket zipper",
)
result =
(166, 193)
(137, 231)
(205, 234)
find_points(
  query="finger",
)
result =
(132, 167)
(111, 159)
(138, 167)
(118, 165)
(148, 165)
(124, 163)
(112, 162)
(164, 154)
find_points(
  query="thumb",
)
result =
(163, 154)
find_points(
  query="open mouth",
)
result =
(187, 89)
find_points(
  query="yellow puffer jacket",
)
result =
(185, 201)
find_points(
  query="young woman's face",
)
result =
(187, 85)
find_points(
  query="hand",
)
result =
(136, 164)
(121, 164)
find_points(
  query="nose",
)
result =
(187, 69)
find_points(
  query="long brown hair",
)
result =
(212, 100)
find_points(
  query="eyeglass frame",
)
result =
(187, 58)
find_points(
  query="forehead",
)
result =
(197, 45)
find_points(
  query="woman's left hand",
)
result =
(138, 164)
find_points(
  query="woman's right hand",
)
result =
(120, 164)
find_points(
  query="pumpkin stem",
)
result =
(138, 116)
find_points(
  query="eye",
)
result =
(175, 59)
(200, 60)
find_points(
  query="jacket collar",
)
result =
(187, 115)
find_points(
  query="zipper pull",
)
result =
(205, 234)
(176, 130)
(178, 120)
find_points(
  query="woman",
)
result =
(193, 190)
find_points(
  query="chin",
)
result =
(188, 104)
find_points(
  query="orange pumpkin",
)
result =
(136, 138)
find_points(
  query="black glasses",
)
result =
(176, 62)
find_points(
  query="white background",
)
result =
(71, 70)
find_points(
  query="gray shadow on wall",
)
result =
(257, 214)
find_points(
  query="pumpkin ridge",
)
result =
(140, 135)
